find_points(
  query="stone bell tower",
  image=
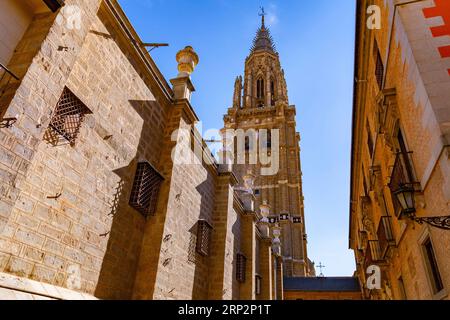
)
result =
(261, 104)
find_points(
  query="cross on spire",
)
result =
(263, 15)
(321, 266)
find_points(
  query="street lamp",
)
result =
(405, 196)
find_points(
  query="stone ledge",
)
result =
(17, 288)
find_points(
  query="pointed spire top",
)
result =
(263, 40)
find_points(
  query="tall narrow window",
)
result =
(432, 266)
(379, 66)
(203, 237)
(272, 92)
(268, 143)
(260, 88)
(370, 143)
(144, 194)
(401, 287)
(405, 155)
(241, 266)
(66, 119)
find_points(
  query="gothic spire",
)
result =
(263, 40)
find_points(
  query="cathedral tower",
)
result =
(261, 104)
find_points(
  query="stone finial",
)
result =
(265, 209)
(276, 242)
(187, 61)
(249, 181)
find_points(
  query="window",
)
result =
(269, 139)
(401, 287)
(258, 280)
(241, 265)
(144, 194)
(272, 92)
(432, 266)
(379, 67)
(203, 237)
(257, 192)
(260, 88)
(67, 118)
(247, 143)
(370, 143)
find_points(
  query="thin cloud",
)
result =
(272, 14)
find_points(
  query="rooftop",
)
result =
(323, 284)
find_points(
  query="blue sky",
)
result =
(315, 40)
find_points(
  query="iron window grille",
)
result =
(204, 230)
(379, 67)
(401, 174)
(145, 191)
(67, 118)
(241, 266)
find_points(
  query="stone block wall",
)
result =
(89, 238)
(65, 218)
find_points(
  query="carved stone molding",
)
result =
(366, 213)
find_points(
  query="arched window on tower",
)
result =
(260, 88)
(260, 93)
(272, 92)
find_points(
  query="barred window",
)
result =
(67, 118)
(203, 237)
(241, 266)
(144, 194)
(379, 67)
(432, 266)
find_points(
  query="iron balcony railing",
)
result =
(402, 174)
(373, 253)
(386, 237)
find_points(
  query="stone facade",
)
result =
(401, 138)
(65, 216)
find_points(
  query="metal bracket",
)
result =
(8, 122)
(438, 222)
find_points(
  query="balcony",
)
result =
(402, 174)
(386, 237)
(373, 254)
